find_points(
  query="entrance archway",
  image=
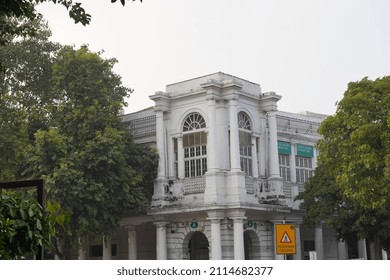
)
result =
(198, 247)
(251, 245)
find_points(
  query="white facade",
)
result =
(230, 167)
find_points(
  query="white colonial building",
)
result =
(230, 167)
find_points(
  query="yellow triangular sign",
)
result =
(285, 238)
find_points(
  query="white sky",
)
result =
(305, 50)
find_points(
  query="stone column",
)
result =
(180, 158)
(82, 254)
(276, 256)
(239, 250)
(107, 248)
(298, 255)
(255, 167)
(216, 248)
(362, 249)
(341, 250)
(160, 142)
(161, 240)
(171, 158)
(314, 158)
(384, 255)
(82, 251)
(275, 181)
(293, 170)
(319, 242)
(234, 140)
(212, 136)
(273, 146)
(132, 242)
(262, 154)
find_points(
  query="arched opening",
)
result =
(195, 146)
(198, 247)
(251, 245)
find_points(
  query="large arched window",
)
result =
(195, 146)
(245, 137)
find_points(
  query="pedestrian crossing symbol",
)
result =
(285, 239)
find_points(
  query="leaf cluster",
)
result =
(24, 228)
(16, 16)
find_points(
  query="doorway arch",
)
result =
(198, 246)
(251, 245)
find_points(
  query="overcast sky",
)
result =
(305, 50)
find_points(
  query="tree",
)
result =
(24, 93)
(16, 16)
(86, 155)
(351, 187)
(60, 122)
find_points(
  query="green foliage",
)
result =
(351, 187)
(25, 92)
(86, 156)
(61, 108)
(24, 228)
(16, 16)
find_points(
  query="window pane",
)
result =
(204, 165)
(187, 169)
(192, 166)
(198, 167)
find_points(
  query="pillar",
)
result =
(234, 140)
(171, 159)
(255, 167)
(239, 250)
(293, 170)
(212, 136)
(341, 250)
(262, 154)
(161, 240)
(314, 158)
(180, 158)
(319, 242)
(160, 142)
(298, 255)
(82, 251)
(132, 242)
(273, 145)
(276, 256)
(59, 247)
(384, 255)
(362, 249)
(274, 179)
(216, 249)
(107, 248)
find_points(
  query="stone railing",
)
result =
(287, 189)
(249, 185)
(255, 186)
(194, 185)
(301, 188)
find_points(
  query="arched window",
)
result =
(243, 121)
(194, 121)
(245, 137)
(195, 146)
